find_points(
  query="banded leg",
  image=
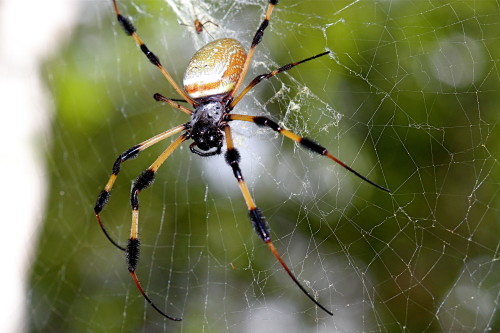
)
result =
(307, 143)
(130, 153)
(144, 180)
(256, 40)
(256, 217)
(129, 29)
(172, 102)
(270, 75)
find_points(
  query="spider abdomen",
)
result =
(214, 69)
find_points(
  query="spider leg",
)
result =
(145, 179)
(256, 217)
(130, 153)
(262, 77)
(129, 29)
(204, 23)
(160, 98)
(307, 143)
(256, 40)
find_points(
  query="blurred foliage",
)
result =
(416, 84)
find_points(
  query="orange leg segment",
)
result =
(256, 217)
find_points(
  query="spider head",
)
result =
(207, 139)
(205, 128)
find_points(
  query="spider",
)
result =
(211, 83)
(198, 26)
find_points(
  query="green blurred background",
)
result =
(408, 97)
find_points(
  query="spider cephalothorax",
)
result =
(211, 84)
(206, 128)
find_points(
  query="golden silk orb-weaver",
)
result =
(211, 85)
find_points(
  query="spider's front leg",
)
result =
(304, 142)
(142, 182)
(130, 30)
(129, 154)
(256, 217)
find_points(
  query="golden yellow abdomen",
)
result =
(215, 68)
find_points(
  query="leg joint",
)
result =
(233, 159)
(232, 156)
(145, 179)
(132, 253)
(127, 155)
(151, 56)
(259, 223)
(263, 121)
(134, 199)
(126, 24)
(102, 200)
(260, 33)
(312, 145)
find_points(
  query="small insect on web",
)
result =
(198, 25)
(211, 83)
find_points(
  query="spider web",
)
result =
(406, 97)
